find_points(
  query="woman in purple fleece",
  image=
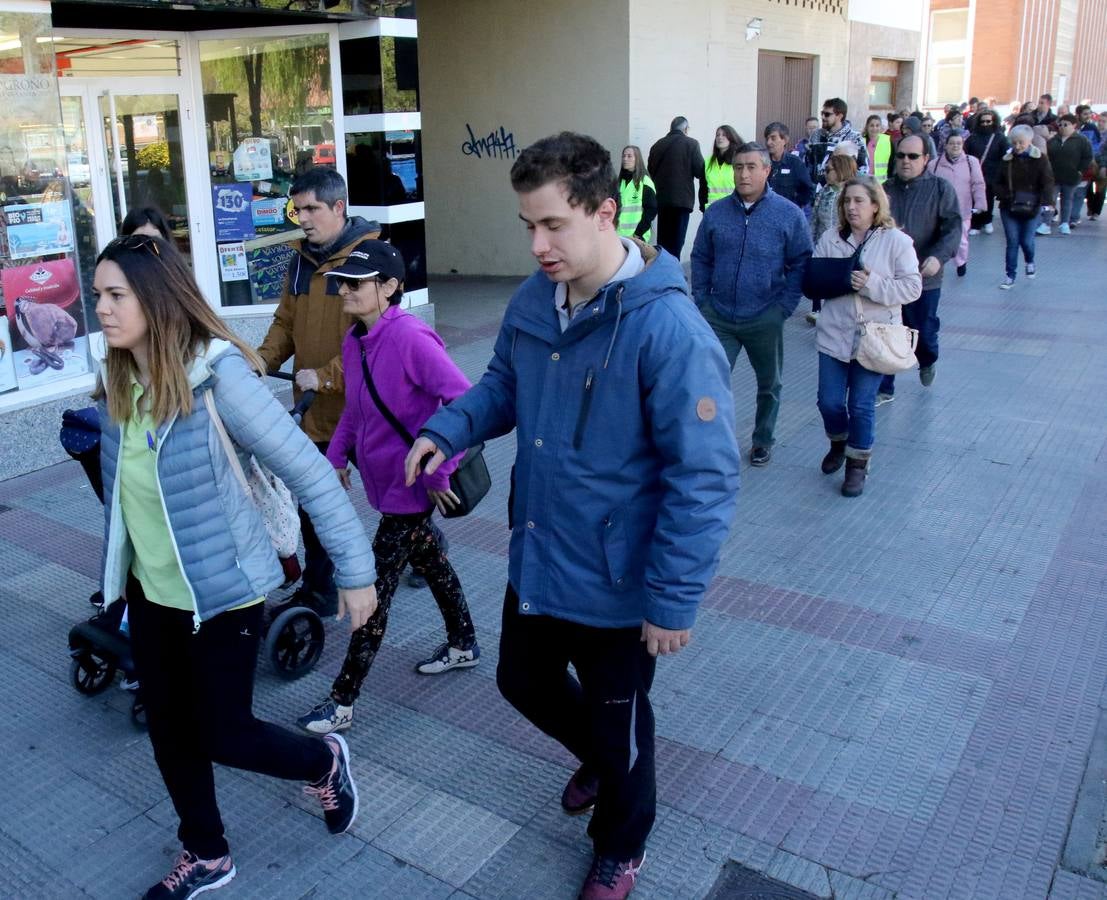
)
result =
(407, 365)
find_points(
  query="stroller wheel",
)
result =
(295, 641)
(91, 673)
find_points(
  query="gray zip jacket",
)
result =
(926, 209)
(218, 534)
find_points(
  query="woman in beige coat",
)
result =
(887, 276)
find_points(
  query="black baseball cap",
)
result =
(371, 259)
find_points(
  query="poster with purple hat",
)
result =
(48, 336)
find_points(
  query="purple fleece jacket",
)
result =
(414, 376)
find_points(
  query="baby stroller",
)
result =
(100, 646)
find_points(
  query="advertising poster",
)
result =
(269, 266)
(232, 262)
(268, 211)
(252, 160)
(231, 204)
(38, 229)
(45, 323)
(7, 360)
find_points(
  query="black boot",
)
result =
(832, 462)
(961, 270)
(856, 470)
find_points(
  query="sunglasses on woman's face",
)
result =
(349, 283)
(987, 121)
(911, 156)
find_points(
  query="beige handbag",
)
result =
(884, 347)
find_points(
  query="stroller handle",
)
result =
(306, 398)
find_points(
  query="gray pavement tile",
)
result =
(447, 837)
(375, 873)
(533, 865)
(26, 874)
(124, 862)
(1070, 886)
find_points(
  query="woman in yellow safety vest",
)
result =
(879, 146)
(718, 181)
(637, 197)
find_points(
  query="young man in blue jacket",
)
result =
(624, 485)
(747, 268)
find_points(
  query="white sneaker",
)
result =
(988, 229)
(1064, 228)
(327, 716)
(973, 232)
(1008, 283)
(1043, 229)
(446, 657)
(1030, 270)
(812, 318)
(881, 399)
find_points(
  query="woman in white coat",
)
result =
(886, 276)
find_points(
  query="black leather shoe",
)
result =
(760, 456)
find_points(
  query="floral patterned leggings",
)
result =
(401, 539)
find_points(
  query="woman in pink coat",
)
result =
(963, 172)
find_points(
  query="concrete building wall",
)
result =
(1064, 48)
(495, 76)
(868, 42)
(1089, 67)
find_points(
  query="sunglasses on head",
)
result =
(134, 242)
(900, 155)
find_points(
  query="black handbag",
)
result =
(1024, 204)
(826, 277)
(470, 481)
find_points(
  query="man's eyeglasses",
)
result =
(987, 121)
(826, 113)
(911, 156)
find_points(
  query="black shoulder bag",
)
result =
(470, 481)
(1024, 204)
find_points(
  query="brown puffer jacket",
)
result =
(309, 326)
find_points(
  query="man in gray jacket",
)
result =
(925, 207)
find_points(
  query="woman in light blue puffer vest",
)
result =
(190, 550)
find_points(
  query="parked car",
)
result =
(80, 174)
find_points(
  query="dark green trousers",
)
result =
(762, 337)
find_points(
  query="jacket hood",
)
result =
(355, 229)
(1035, 153)
(532, 308)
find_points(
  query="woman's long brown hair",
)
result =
(180, 325)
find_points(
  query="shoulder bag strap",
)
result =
(225, 440)
(987, 147)
(396, 424)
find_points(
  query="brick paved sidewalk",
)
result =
(891, 696)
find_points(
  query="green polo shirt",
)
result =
(155, 562)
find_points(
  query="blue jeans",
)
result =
(847, 401)
(1019, 233)
(921, 315)
(1071, 199)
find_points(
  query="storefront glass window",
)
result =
(385, 168)
(380, 75)
(43, 332)
(268, 113)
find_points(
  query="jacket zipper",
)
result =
(169, 527)
(585, 406)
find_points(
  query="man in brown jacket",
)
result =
(309, 326)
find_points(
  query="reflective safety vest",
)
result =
(881, 154)
(630, 207)
(720, 180)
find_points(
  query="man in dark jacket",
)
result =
(675, 162)
(309, 326)
(1043, 114)
(624, 485)
(789, 177)
(1070, 155)
(747, 269)
(836, 129)
(988, 144)
(925, 207)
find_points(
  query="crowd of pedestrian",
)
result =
(608, 331)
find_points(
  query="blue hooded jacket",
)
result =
(745, 261)
(626, 470)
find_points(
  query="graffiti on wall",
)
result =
(498, 144)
